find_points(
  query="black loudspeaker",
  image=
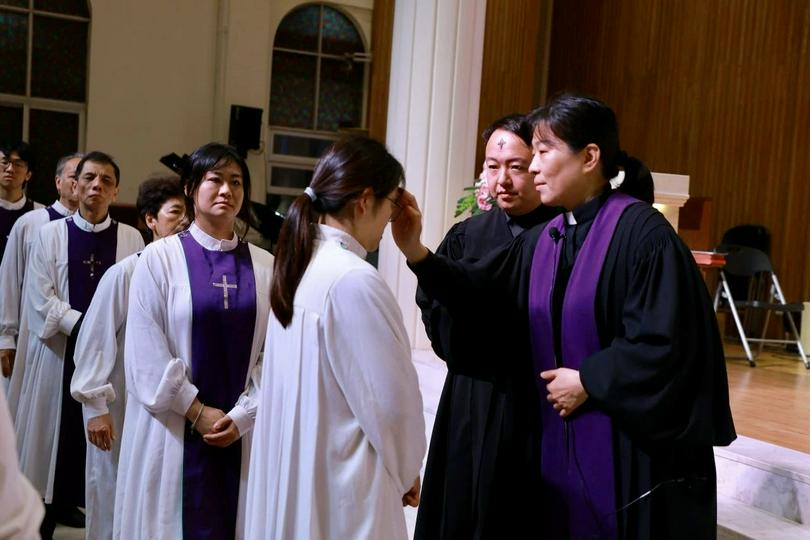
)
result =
(245, 129)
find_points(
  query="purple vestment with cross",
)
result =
(577, 463)
(223, 297)
(90, 254)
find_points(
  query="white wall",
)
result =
(163, 76)
(151, 82)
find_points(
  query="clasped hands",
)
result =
(565, 390)
(216, 427)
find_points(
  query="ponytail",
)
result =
(638, 181)
(295, 245)
(348, 167)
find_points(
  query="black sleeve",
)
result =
(663, 376)
(435, 317)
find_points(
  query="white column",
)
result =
(432, 123)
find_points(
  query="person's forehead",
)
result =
(502, 141)
(97, 167)
(172, 201)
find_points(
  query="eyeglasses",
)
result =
(15, 163)
(397, 211)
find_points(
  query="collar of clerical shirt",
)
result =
(16, 205)
(62, 209)
(85, 225)
(346, 241)
(209, 242)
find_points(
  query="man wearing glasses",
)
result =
(16, 166)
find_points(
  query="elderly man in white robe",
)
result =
(67, 261)
(12, 273)
(98, 382)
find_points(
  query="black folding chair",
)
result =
(764, 294)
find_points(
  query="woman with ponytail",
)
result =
(339, 435)
(624, 344)
(198, 307)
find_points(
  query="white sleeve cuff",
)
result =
(96, 407)
(8, 342)
(242, 419)
(184, 398)
(68, 321)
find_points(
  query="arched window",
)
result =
(43, 81)
(318, 88)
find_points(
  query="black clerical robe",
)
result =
(484, 449)
(660, 375)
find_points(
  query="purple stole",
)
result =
(576, 454)
(7, 220)
(223, 298)
(53, 214)
(90, 254)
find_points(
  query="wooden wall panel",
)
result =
(716, 89)
(382, 30)
(514, 67)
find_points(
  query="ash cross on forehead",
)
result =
(501, 143)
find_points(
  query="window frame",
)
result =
(28, 101)
(302, 162)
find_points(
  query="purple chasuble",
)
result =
(53, 214)
(90, 254)
(223, 297)
(7, 220)
(576, 453)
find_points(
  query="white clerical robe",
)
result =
(21, 510)
(50, 321)
(13, 333)
(339, 435)
(157, 364)
(98, 384)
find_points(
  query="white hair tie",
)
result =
(310, 193)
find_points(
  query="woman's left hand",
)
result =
(223, 433)
(565, 390)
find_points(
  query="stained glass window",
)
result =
(292, 92)
(314, 70)
(11, 123)
(317, 87)
(68, 7)
(59, 63)
(299, 29)
(339, 34)
(52, 134)
(14, 44)
(43, 46)
(341, 94)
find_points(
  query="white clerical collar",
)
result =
(61, 209)
(343, 238)
(209, 242)
(570, 219)
(85, 225)
(16, 205)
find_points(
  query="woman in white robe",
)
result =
(98, 382)
(159, 363)
(340, 433)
